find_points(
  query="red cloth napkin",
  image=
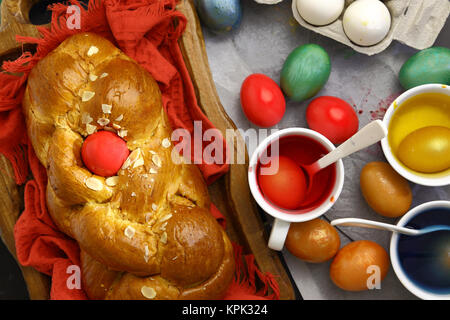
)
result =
(147, 31)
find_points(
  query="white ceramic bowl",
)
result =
(404, 279)
(282, 217)
(393, 161)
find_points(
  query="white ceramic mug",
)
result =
(395, 260)
(393, 161)
(283, 219)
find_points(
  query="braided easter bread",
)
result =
(145, 233)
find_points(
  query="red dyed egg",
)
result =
(104, 153)
(332, 117)
(262, 100)
(287, 187)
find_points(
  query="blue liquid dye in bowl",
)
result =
(426, 259)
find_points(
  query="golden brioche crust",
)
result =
(147, 230)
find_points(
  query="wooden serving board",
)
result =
(230, 194)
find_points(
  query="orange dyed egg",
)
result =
(359, 265)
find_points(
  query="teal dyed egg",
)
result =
(305, 72)
(220, 15)
(431, 65)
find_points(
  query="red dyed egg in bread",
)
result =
(104, 153)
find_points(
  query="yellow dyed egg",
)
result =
(426, 150)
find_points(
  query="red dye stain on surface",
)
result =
(382, 107)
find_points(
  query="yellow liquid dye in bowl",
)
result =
(423, 110)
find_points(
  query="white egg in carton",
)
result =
(416, 23)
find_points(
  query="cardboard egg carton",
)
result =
(416, 23)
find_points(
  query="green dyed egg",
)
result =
(431, 65)
(426, 150)
(305, 72)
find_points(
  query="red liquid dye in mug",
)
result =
(305, 150)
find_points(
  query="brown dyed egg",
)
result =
(313, 241)
(359, 265)
(386, 192)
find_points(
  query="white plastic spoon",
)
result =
(356, 222)
(370, 134)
